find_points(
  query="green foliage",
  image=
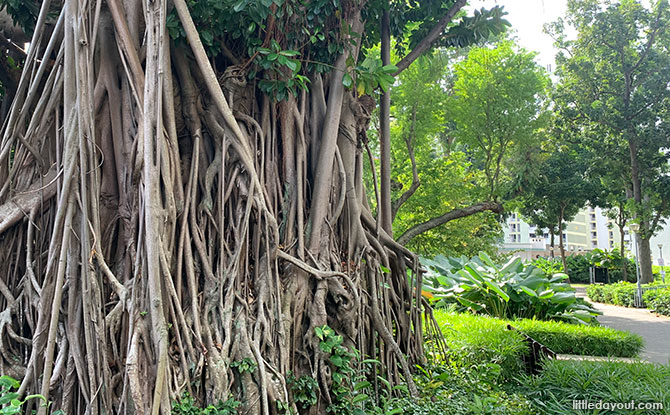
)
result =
(481, 339)
(247, 365)
(497, 108)
(348, 390)
(23, 12)
(579, 265)
(554, 389)
(620, 293)
(483, 342)
(658, 300)
(514, 290)
(370, 75)
(9, 398)
(304, 390)
(613, 93)
(447, 178)
(581, 340)
(187, 406)
(446, 389)
(623, 294)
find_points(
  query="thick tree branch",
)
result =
(431, 37)
(447, 217)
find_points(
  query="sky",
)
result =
(527, 18)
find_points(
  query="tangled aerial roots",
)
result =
(159, 224)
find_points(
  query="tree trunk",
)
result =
(644, 256)
(560, 240)
(167, 221)
(551, 232)
(384, 210)
(644, 250)
(621, 223)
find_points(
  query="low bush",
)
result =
(620, 293)
(514, 290)
(623, 294)
(658, 301)
(561, 383)
(582, 340)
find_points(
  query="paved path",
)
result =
(655, 330)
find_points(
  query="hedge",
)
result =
(623, 294)
(474, 339)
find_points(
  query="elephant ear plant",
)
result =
(514, 290)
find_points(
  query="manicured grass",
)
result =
(553, 391)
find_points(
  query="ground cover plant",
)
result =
(553, 391)
(446, 389)
(513, 290)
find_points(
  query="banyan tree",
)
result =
(181, 190)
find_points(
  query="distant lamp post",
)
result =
(634, 228)
(661, 262)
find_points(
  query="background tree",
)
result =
(494, 111)
(560, 190)
(614, 75)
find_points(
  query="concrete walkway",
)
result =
(654, 329)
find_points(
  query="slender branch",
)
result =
(409, 141)
(447, 217)
(431, 37)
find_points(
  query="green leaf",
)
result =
(9, 382)
(389, 69)
(495, 287)
(360, 398)
(240, 5)
(347, 81)
(527, 290)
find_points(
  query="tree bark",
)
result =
(551, 232)
(384, 210)
(560, 239)
(644, 249)
(449, 216)
(621, 223)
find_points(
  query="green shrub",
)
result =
(596, 292)
(578, 268)
(623, 294)
(578, 265)
(658, 301)
(514, 290)
(553, 391)
(620, 293)
(582, 340)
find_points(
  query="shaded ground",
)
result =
(655, 330)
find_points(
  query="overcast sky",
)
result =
(527, 18)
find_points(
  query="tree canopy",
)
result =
(614, 83)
